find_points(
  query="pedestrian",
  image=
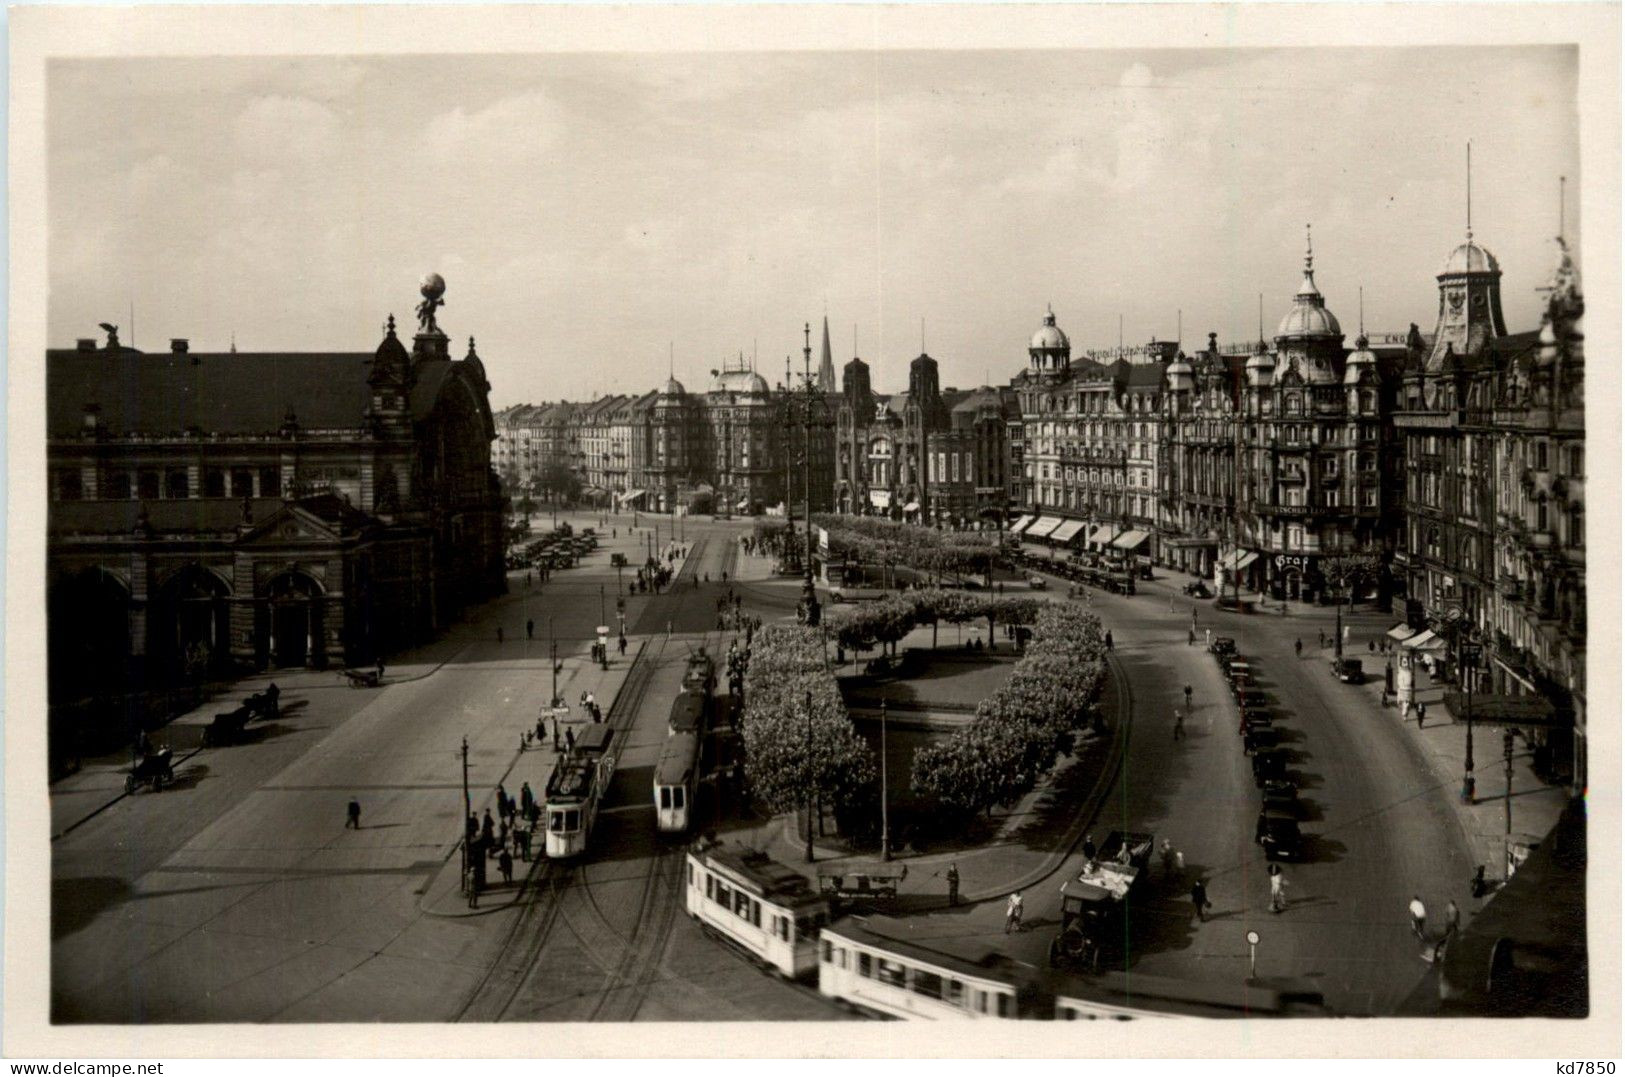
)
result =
(530, 629)
(1199, 899)
(488, 828)
(1419, 918)
(505, 865)
(1452, 919)
(522, 840)
(541, 728)
(1277, 888)
(1187, 697)
(1209, 638)
(1372, 647)
(1179, 725)
(352, 817)
(499, 633)
(623, 645)
(1168, 855)
(1012, 913)
(502, 835)
(1108, 639)
(1089, 849)
(503, 810)
(1190, 641)
(1297, 648)
(953, 885)
(526, 799)
(379, 668)
(1421, 714)
(471, 887)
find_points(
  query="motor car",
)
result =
(1259, 738)
(1250, 699)
(1037, 582)
(1281, 788)
(1268, 765)
(1348, 670)
(1224, 647)
(1256, 720)
(1278, 833)
(1198, 589)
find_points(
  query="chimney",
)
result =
(87, 344)
(179, 345)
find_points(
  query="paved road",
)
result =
(1379, 827)
(239, 895)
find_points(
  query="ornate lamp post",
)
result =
(885, 813)
(804, 406)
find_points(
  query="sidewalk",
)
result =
(444, 895)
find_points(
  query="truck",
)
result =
(1093, 905)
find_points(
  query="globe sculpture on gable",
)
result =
(432, 287)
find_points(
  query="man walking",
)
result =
(953, 885)
(1187, 697)
(1297, 648)
(1012, 913)
(1277, 888)
(1179, 725)
(1199, 899)
(1168, 858)
(1421, 714)
(505, 865)
(1108, 639)
(1452, 919)
(1190, 640)
(1419, 918)
(530, 629)
(352, 817)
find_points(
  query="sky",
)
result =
(597, 216)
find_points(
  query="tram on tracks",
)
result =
(690, 712)
(764, 908)
(579, 781)
(882, 966)
(676, 780)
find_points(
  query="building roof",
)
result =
(739, 381)
(1049, 336)
(167, 393)
(1469, 257)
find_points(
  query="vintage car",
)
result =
(1348, 670)
(1278, 833)
(1223, 647)
(1268, 765)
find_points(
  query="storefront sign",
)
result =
(1292, 560)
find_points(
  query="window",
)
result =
(890, 972)
(242, 482)
(1540, 456)
(956, 992)
(214, 483)
(176, 485)
(1004, 1005)
(678, 797)
(710, 887)
(1541, 520)
(724, 895)
(866, 967)
(116, 486)
(1577, 526)
(665, 798)
(925, 983)
(147, 485)
(69, 484)
(826, 951)
(270, 482)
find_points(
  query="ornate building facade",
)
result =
(249, 510)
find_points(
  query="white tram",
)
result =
(766, 909)
(875, 964)
(675, 782)
(579, 781)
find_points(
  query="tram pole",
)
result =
(885, 815)
(809, 780)
(468, 811)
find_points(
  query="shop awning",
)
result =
(631, 495)
(744, 503)
(1065, 532)
(1043, 527)
(1228, 561)
(912, 506)
(1401, 632)
(1021, 525)
(1248, 558)
(1508, 710)
(1181, 542)
(1103, 534)
(1128, 540)
(1427, 641)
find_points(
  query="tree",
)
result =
(561, 482)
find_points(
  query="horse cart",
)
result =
(152, 769)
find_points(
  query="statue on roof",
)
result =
(112, 335)
(432, 288)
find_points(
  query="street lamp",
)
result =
(808, 772)
(1252, 955)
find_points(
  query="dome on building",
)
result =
(1049, 337)
(1261, 359)
(1309, 316)
(673, 388)
(1470, 258)
(1361, 358)
(739, 381)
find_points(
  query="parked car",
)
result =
(1259, 738)
(1198, 589)
(1278, 833)
(1224, 647)
(1037, 582)
(1348, 670)
(1250, 699)
(1268, 765)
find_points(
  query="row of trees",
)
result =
(862, 626)
(799, 739)
(873, 540)
(1020, 729)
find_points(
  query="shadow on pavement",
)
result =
(75, 903)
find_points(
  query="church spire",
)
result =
(826, 364)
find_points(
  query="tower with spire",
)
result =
(1469, 295)
(1309, 340)
(826, 364)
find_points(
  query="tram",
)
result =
(700, 675)
(676, 780)
(886, 967)
(769, 911)
(580, 779)
(689, 712)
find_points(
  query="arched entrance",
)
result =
(292, 620)
(189, 627)
(88, 632)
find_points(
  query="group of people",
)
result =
(502, 837)
(738, 659)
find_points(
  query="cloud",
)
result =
(277, 127)
(513, 128)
